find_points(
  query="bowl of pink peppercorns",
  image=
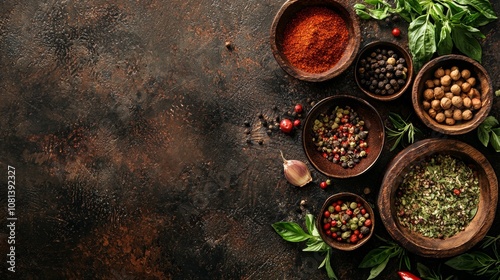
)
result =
(346, 221)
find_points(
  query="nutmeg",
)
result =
(440, 117)
(450, 121)
(432, 113)
(467, 115)
(448, 113)
(465, 73)
(429, 84)
(471, 81)
(466, 87)
(436, 105)
(429, 94)
(476, 103)
(467, 102)
(426, 104)
(457, 114)
(438, 93)
(439, 72)
(456, 89)
(455, 74)
(457, 101)
(445, 80)
(445, 103)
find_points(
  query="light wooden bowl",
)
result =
(375, 140)
(286, 14)
(345, 196)
(447, 61)
(401, 52)
(477, 228)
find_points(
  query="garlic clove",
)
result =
(296, 172)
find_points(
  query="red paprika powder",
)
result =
(315, 39)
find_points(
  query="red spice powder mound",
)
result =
(315, 39)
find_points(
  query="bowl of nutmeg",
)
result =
(452, 94)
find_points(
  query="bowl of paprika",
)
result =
(315, 40)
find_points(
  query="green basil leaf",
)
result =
(445, 44)
(328, 267)
(496, 130)
(374, 272)
(457, 17)
(362, 14)
(422, 39)
(483, 6)
(423, 271)
(476, 32)
(468, 261)
(436, 11)
(495, 142)
(375, 257)
(291, 232)
(315, 246)
(490, 122)
(483, 135)
(310, 223)
(379, 14)
(466, 43)
(415, 5)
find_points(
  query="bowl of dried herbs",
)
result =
(438, 197)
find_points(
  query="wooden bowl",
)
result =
(400, 51)
(477, 228)
(287, 13)
(328, 239)
(483, 81)
(375, 138)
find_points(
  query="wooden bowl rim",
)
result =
(375, 118)
(339, 245)
(409, 62)
(486, 96)
(352, 47)
(484, 217)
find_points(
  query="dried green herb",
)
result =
(292, 232)
(438, 197)
(378, 258)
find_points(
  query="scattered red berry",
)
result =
(456, 192)
(323, 185)
(296, 123)
(286, 125)
(396, 32)
(298, 108)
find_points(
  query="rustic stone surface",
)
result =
(125, 123)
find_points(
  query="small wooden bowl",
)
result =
(401, 52)
(287, 13)
(375, 140)
(477, 228)
(344, 196)
(447, 61)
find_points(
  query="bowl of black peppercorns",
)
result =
(383, 70)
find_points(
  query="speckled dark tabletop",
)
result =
(124, 121)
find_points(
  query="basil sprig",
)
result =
(478, 263)
(489, 132)
(402, 130)
(436, 25)
(378, 258)
(292, 232)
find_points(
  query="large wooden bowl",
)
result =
(477, 228)
(447, 61)
(286, 14)
(344, 196)
(401, 52)
(375, 139)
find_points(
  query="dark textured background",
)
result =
(124, 121)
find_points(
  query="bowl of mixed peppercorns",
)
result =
(383, 70)
(346, 221)
(452, 94)
(343, 136)
(438, 197)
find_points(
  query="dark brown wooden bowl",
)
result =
(447, 61)
(375, 140)
(477, 228)
(288, 11)
(345, 196)
(401, 52)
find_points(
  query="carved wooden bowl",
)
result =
(401, 52)
(344, 196)
(287, 13)
(483, 81)
(375, 139)
(479, 225)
